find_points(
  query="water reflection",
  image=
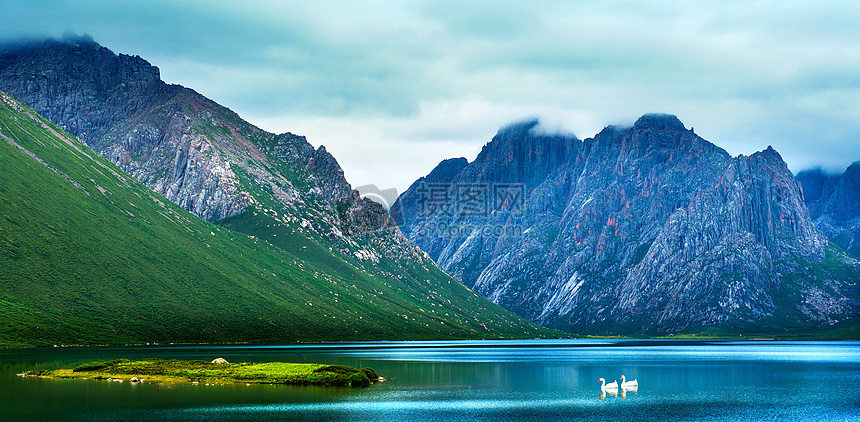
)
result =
(613, 392)
(632, 389)
(608, 392)
(459, 381)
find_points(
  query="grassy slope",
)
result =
(110, 262)
(847, 241)
(399, 283)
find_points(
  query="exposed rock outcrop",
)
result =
(184, 146)
(645, 229)
(834, 204)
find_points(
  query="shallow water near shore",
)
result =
(530, 380)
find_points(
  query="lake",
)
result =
(531, 380)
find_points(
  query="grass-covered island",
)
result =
(218, 371)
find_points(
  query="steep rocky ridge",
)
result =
(646, 229)
(88, 255)
(834, 204)
(178, 142)
(205, 158)
(193, 151)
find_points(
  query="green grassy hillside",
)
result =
(88, 255)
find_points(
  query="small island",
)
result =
(219, 371)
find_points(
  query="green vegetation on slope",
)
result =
(186, 371)
(797, 311)
(796, 299)
(88, 255)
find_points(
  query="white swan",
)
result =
(611, 386)
(628, 384)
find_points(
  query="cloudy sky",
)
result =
(391, 88)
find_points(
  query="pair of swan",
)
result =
(614, 384)
(611, 389)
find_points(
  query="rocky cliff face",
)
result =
(80, 83)
(193, 151)
(646, 229)
(834, 204)
(178, 142)
(88, 255)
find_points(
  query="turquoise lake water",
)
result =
(533, 380)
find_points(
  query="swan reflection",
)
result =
(633, 389)
(604, 393)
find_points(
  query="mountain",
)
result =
(834, 204)
(187, 148)
(648, 229)
(205, 158)
(88, 255)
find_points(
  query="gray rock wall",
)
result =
(646, 229)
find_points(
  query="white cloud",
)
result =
(393, 88)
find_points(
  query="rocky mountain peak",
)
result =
(75, 39)
(78, 83)
(663, 132)
(812, 181)
(854, 170)
(658, 121)
(847, 189)
(517, 129)
(328, 174)
(520, 152)
(76, 54)
(445, 171)
(522, 135)
(834, 204)
(186, 147)
(770, 154)
(646, 228)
